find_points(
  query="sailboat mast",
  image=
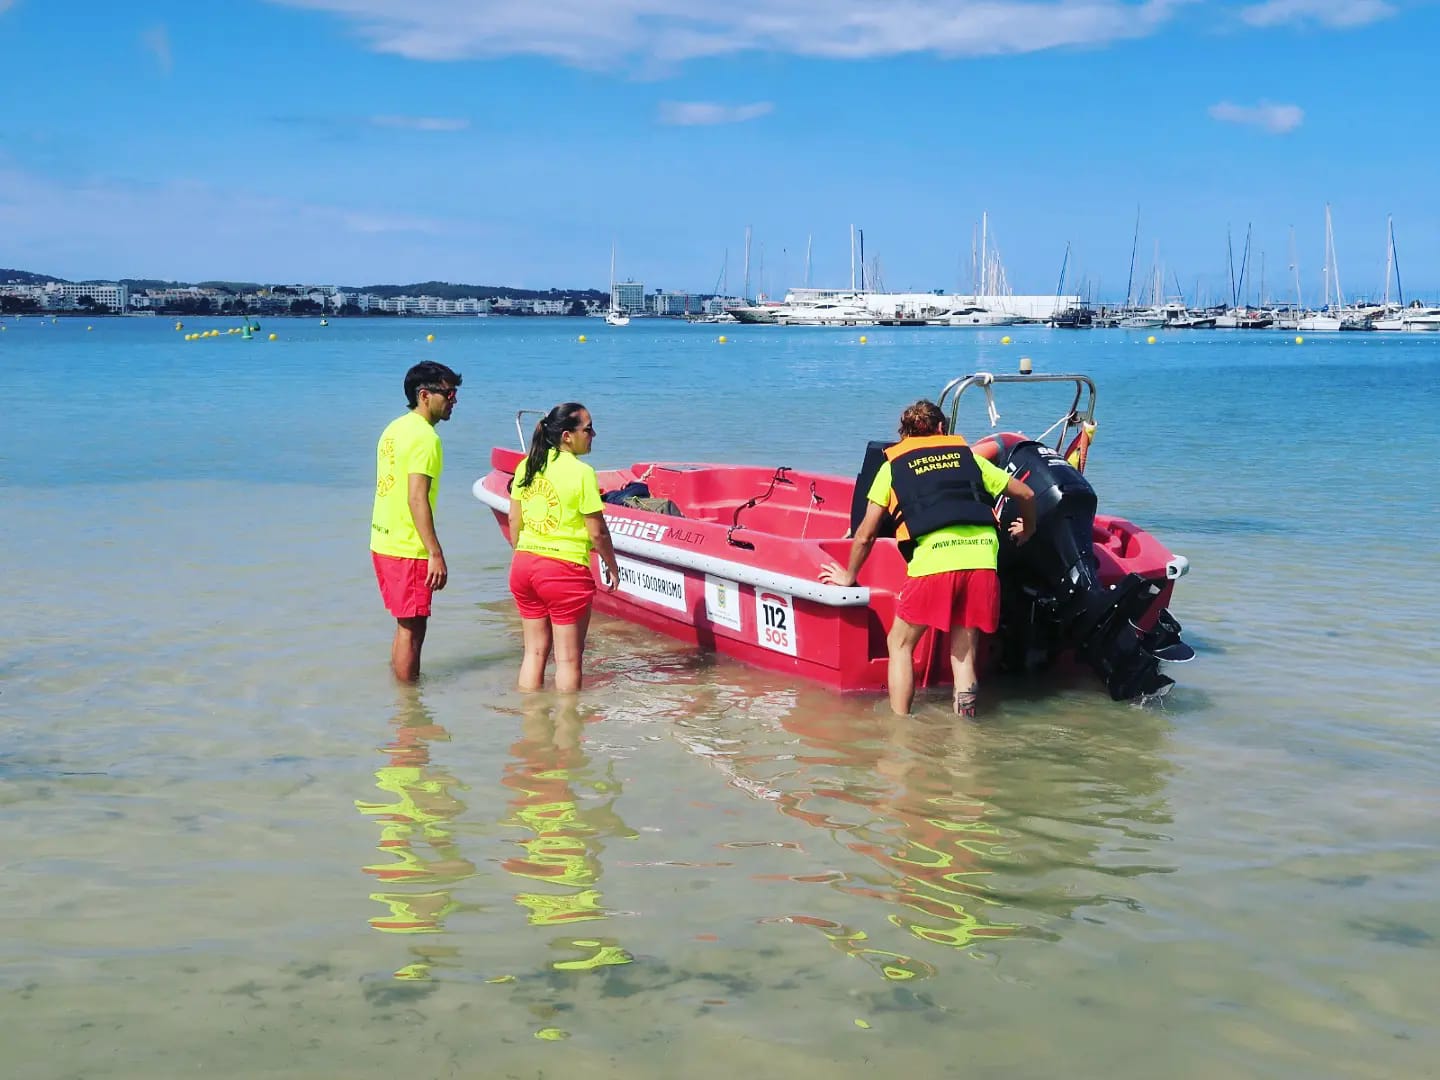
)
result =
(1295, 267)
(1395, 258)
(1389, 255)
(1244, 264)
(974, 263)
(862, 260)
(985, 251)
(852, 258)
(809, 240)
(747, 264)
(1230, 263)
(1334, 261)
(1134, 245)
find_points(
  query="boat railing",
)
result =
(520, 430)
(986, 381)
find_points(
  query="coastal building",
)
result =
(628, 296)
(675, 303)
(63, 296)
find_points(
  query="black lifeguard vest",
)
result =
(935, 483)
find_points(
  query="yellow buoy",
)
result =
(582, 338)
(89, 328)
(1150, 340)
(863, 339)
(1005, 340)
(179, 326)
(274, 337)
(429, 337)
(1299, 341)
(721, 339)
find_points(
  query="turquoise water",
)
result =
(233, 846)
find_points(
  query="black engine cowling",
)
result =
(1051, 594)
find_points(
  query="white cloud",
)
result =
(421, 123)
(5, 5)
(619, 33)
(157, 41)
(692, 113)
(1338, 14)
(1276, 119)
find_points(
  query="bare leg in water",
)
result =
(963, 640)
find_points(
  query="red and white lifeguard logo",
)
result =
(775, 621)
(540, 506)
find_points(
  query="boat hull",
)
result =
(753, 593)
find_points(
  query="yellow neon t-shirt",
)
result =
(955, 547)
(553, 508)
(408, 445)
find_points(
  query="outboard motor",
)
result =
(1051, 594)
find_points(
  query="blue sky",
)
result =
(509, 142)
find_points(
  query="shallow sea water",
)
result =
(232, 846)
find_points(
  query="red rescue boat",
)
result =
(733, 566)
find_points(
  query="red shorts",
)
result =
(952, 598)
(553, 589)
(402, 585)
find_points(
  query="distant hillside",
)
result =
(442, 289)
(26, 277)
(446, 291)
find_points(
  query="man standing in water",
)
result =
(941, 496)
(409, 563)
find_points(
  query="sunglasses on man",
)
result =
(449, 393)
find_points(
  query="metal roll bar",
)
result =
(524, 439)
(984, 379)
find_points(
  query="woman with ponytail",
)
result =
(556, 519)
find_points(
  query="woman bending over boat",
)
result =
(556, 519)
(941, 496)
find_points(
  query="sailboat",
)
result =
(616, 316)
(1334, 316)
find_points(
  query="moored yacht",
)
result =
(1416, 317)
(1142, 319)
(970, 315)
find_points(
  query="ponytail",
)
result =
(547, 435)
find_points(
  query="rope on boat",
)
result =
(815, 500)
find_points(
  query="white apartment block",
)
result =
(62, 296)
(628, 295)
